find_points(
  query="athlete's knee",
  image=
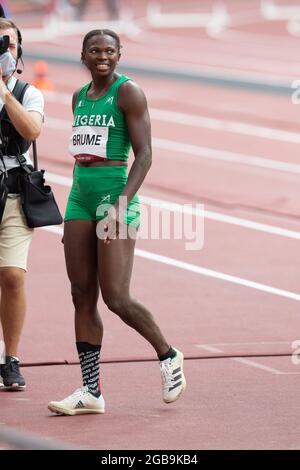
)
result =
(12, 279)
(117, 303)
(83, 295)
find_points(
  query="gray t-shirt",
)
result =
(33, 100)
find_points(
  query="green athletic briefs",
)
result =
(94, 189)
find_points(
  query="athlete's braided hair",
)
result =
(101, 32)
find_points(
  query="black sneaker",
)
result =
(11, 375)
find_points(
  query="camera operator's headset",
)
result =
(19, 49)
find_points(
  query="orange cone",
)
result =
(40, 80)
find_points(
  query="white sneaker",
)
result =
(173, 380)
(80, 402)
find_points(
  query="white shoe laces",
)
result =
(167, 373)
(75, 394)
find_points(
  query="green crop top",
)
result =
(99, 127)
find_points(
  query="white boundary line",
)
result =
(226, 156)
(247, 362)
(215, 216)
(241, 360)
(214, 154)
(204, 271)
(272, 12)
(194, 120)
(191, 120)
(250, 343)
(217, 275)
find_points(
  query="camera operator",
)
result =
(26, 121)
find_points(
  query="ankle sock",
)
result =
(89, 357)
(171, 353)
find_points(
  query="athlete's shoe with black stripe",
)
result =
(172, 376)
(11, 376)
(79, 402)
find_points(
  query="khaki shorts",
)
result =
(15, 236)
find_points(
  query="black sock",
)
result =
(89, 357)
(171, 353)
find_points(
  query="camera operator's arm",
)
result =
(27, 123)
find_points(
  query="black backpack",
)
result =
(13, 143)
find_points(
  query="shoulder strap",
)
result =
(19, 90)
(34, 152)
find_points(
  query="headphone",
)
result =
(19, 49)
(19, 35)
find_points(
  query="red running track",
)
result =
(232, 306)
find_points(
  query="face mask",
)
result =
(8, 64)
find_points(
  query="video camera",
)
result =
(4, 43)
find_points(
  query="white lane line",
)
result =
(195, 120)
(247, 362)
(204, 152)
(58, 97)
(217, 275)
(225, 156)
(224, 125)
(251, 343)
(217, 217)
(21, 399)
(204, 271)
(290, 373)
(53, 229)
(209, 348)
(59, 179)
(273, 12)
(257, 365)
(186, 209)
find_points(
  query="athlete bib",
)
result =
(91, 140)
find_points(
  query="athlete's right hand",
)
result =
(111, 226)
(108, 228)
